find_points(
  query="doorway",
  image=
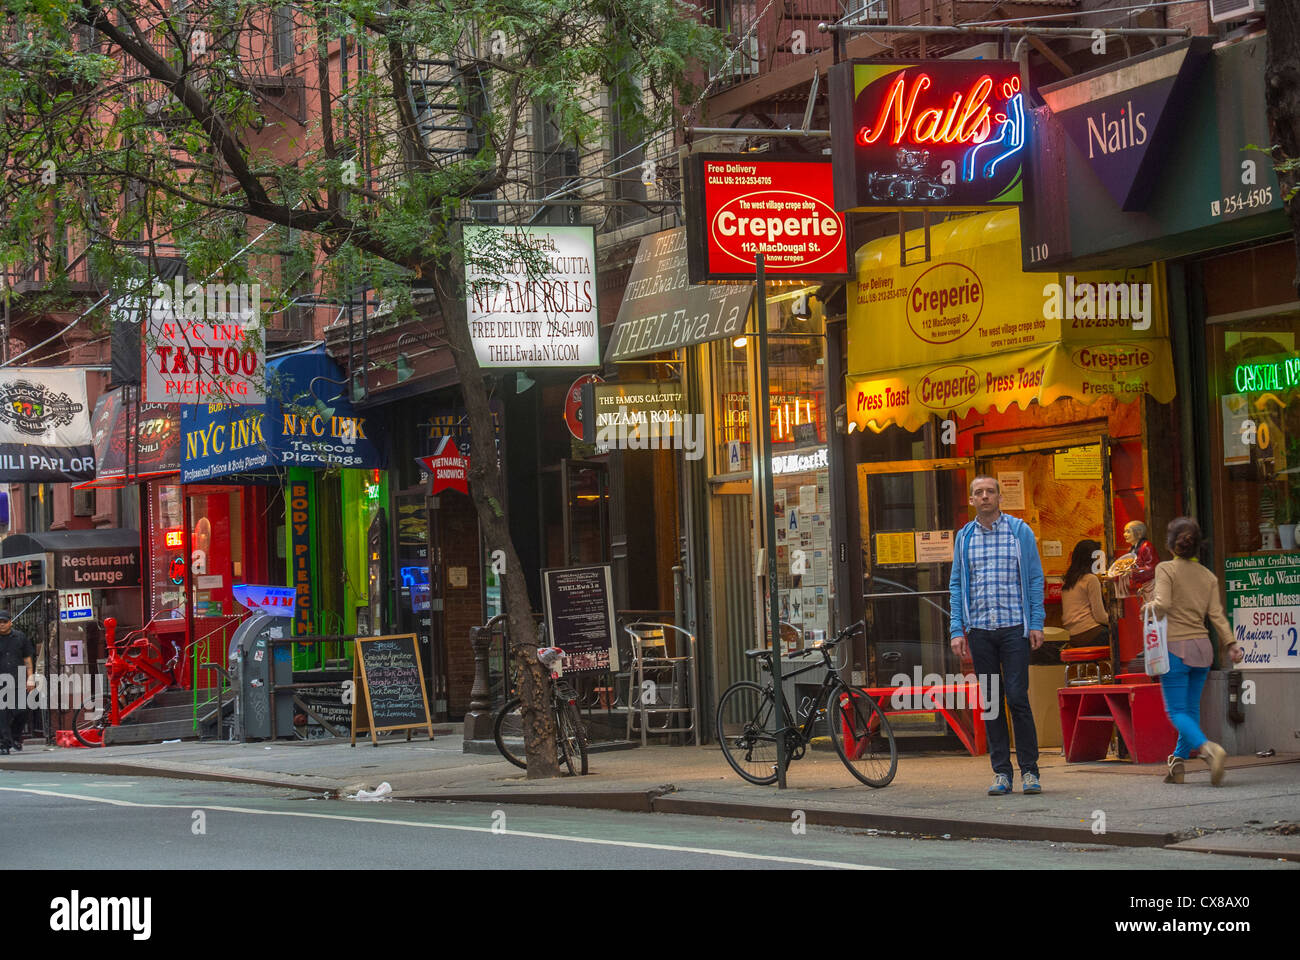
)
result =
(909, 512)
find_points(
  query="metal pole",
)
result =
(838, 28)
(763, 467)
(758, 132)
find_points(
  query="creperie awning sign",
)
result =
(947, 133)
(782, 208)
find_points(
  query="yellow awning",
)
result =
(970, 330)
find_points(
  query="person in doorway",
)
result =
(1083, 613)
(15, 652)
(1186, 594)
(996, 592)
(1143, 572)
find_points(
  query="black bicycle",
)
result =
(748, 727)
(571, 739)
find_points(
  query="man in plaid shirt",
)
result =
(997, 613)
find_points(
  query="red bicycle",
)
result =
(137, 670)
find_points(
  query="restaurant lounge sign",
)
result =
(947, 133)
(782, 207)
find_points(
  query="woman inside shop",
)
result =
(1186, 593)
(1083, 613)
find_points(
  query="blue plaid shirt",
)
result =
(994, 577)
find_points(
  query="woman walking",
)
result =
(1083, 613)
(1187, 593)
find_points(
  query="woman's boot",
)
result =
(1216, 757)
(1175, 774)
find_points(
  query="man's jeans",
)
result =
(1006, 652)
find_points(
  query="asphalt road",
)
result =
(62, 821)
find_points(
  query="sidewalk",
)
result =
(1256, 812)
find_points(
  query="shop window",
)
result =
(216, 551)
(1256, 367)
(796, 368)
(168, 564)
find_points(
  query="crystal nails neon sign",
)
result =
(1272, 375)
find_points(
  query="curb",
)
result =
(661, 800)
(127, 769)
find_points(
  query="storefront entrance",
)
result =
(908, 511)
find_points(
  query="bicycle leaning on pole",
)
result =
(748, 728)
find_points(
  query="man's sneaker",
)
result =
(1001, 785)
(1029, 783)
(18, 745)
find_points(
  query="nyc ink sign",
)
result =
(945, 133)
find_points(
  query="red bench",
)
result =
(1089, 715)
(967, 720)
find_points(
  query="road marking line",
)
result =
(708, 851)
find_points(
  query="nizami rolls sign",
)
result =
(936, 133)
(531, 295)
(783, 208)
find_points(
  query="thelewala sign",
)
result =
(936, 133)
(783, 208)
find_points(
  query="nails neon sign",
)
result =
(934, 133)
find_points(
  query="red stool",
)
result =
(1086, 665)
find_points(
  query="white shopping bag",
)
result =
(1155, 641)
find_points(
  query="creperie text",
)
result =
(731, 225)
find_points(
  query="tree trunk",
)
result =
(487, 489)
(1282, 94)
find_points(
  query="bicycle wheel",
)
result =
(89, 723)
(508, 732)
(572, 740)
(862, 736)
(747, 728)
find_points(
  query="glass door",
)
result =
(584, 484)
(909, 513)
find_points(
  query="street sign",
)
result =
(277, 601)
(75, 605)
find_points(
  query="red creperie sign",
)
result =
(743, 206)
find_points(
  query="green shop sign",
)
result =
(1264, 607)
(1261, 376)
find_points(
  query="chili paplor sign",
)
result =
(782, 207)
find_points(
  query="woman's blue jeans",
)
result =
(1182, 687)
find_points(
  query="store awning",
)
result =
(82, 559)
(133, 441)
(662, 310)
(968, 329)
(306, 421)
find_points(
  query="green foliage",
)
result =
(157, 147)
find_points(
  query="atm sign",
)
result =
(75, 605)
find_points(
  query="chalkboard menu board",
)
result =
(580, 615)
(391, 687)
